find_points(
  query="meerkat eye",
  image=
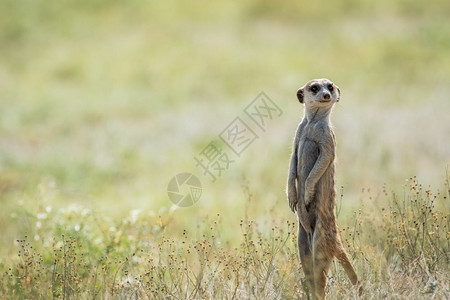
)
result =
(330, 87)
(314, 88)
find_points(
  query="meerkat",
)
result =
(310, 187)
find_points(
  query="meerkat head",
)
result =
(319, 93)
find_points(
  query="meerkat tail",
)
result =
(346, 264)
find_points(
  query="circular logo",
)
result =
(184, 189)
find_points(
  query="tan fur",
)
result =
(310, 187)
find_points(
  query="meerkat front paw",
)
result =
(309, 195)
(292, 197)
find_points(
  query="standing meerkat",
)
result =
(310, 186)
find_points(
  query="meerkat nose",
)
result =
(326, 96)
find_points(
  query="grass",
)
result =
(400, 249)
(104, 101)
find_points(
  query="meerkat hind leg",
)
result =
(322, 259)
(304, 248)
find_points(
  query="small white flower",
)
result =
(134, 214)
(41, 216)
(98, 241)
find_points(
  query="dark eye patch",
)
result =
(314, 89)
(330, 87)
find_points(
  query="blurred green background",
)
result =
(102, 102)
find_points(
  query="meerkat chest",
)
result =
(308, 150)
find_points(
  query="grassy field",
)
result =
(103, 102)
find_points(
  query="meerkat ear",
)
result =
(300, 95)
